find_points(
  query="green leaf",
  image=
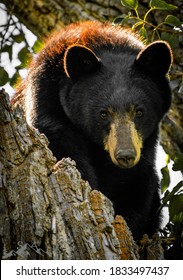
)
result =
(172, 20)
(178, 162)
(132, 4)
(161, 5)
(165, 199)
(23, 56)
(143, 33)
(168, 195)
(14, 79)
(37, 46)
(18, 38)
(4, 77)
(9, 50)
(165, 182)
(176, 206)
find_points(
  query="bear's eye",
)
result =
(139, 113)
(104, 115)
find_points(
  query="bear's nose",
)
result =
(126, 157)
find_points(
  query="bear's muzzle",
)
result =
(123, 142)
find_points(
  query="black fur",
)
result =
(69, 88)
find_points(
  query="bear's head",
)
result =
(117, 97)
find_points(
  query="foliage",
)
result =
(13, 36)
(146, 28)
(173, 199)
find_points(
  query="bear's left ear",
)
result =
(80, 60)
(155, 59)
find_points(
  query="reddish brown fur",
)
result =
(87, 34)
(92, 34)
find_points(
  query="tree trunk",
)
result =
(47, 210)
(41, 17)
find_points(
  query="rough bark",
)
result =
(41, 17)
(47, 210)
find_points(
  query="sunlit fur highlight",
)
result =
(110, 143)
(136, 140)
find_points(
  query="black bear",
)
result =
(99, 94)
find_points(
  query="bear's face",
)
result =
(120, 100)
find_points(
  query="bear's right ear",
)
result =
(80, 60)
